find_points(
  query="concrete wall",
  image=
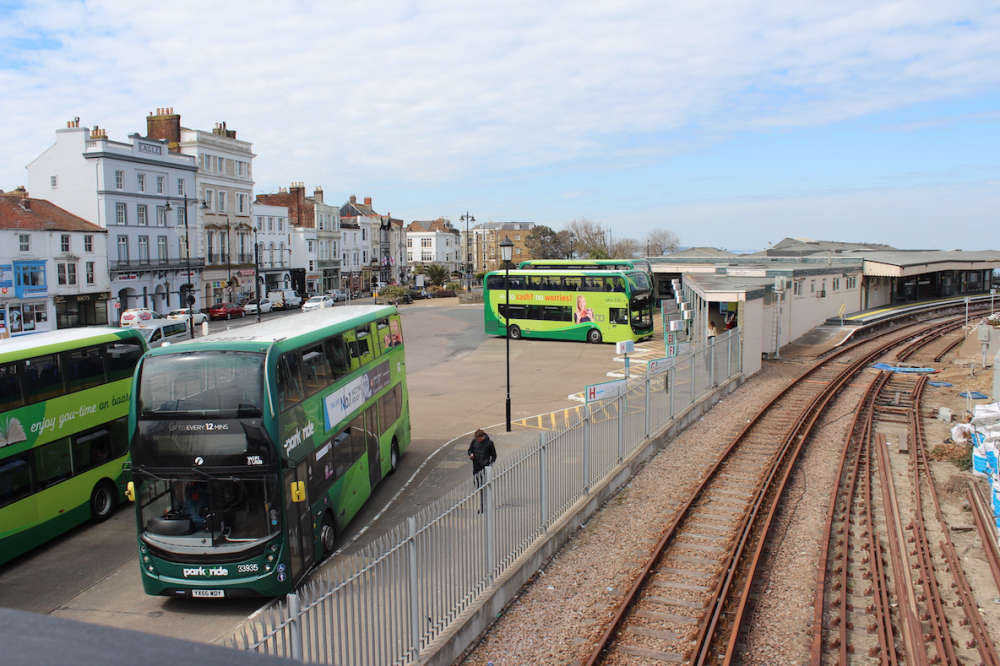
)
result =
(754, 326)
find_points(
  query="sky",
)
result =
(733, 124)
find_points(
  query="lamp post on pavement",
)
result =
(187, 249)
(256, 271)
(468, 246)
(507, 252)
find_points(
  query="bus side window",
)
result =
(357, 436)
(52, 463)
(43, 378)
(316, 372)
(571, 283)
(618, 315)
(15, 479)
(336, 353)
(10, 385)
(91, 450)
(363, 336)
(351, 344)
(384, 335)
(494, 282)
(83, 368)
(120, 359)
(289, 381)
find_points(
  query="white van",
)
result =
(284, 299)
(164, 330)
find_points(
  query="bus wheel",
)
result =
(515, 332)
(394, 456)
(328, 534)
(594, 336)
(102, 501)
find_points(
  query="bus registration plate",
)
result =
(208, 593)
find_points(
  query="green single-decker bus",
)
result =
(254, 447)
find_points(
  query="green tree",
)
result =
(437, 274)
(545, 243)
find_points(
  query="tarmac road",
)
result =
(457, 382)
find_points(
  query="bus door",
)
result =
(299, 519)
(371, 441)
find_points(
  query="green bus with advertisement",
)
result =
(253, 448)
(64, 400)
(564, 304)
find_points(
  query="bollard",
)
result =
(204, 327)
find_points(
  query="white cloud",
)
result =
(343, 94)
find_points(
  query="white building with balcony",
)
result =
(273, 239)
(136, 191)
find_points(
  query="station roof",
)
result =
(901, 263)
(728, 288)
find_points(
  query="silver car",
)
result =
(265, 306)
(317, 302)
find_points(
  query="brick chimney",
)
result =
(354, 199)
(166, 125)
(318, 194)
(368, 201)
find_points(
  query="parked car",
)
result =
(317, 302)
(134, 316)
(265, 306)
(166, 330)
(187, 313)
(339, 295)
(226, 311)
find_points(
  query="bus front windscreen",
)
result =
(202, 384)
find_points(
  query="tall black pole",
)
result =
(506, 316)
(187, 247)
(229, 264)
(256, 271)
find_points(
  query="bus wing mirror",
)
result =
(298, 491)
(130, 491)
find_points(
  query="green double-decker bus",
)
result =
(64, 398)
(564, 304)
(253, 448)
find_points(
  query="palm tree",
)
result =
(437, 274)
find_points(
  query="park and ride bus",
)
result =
(563, 304)
(254, 447)
(64, 398)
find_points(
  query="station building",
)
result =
(779, 294)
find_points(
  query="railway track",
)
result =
(893, 589)
(688, 603)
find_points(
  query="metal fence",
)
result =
(386, 604)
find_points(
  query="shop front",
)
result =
(82, 310)
(22, 317)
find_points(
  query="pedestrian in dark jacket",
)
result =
(483, 454)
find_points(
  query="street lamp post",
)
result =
(507, 252)
(468, 246)
(187, 249)
(256, 271)
(229, 263)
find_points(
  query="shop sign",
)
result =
(128, 277)
(246, 272)
(6, 277)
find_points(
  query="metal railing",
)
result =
(387, 603)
